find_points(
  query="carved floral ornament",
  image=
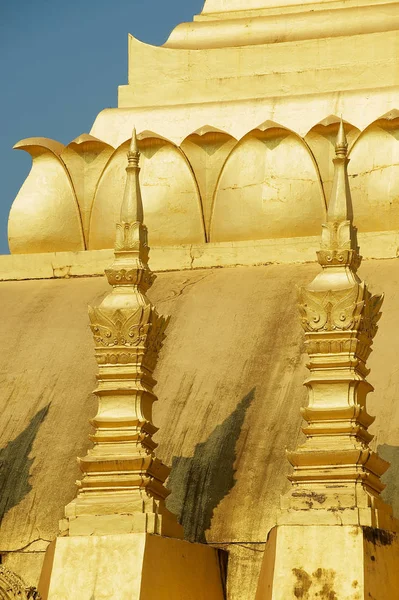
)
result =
(183, 206)
(13, 588)
(340, 310)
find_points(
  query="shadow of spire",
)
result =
(199, 483)
(391, 477)
(15, 465)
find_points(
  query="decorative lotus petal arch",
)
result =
(207, 129)
(390, 115)
(268, 124)
(374, 175)
(269, 188)
(45, 214)
(321, 141)
(152, 134)
(85, 158)
(206, 149)
(171, 199)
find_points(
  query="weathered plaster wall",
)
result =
(230, 389)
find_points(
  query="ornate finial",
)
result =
(341, 144)
(132, 204)
(133, 155)
(338, 238)
(340, 206)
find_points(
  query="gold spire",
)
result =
(131, 243)
(132, 204)
(122, 487)
(335, 467)
(340, 206)
(341, 143)
(338, 238)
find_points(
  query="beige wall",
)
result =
(230, 388)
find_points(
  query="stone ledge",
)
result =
(91, 263)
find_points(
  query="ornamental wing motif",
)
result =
(134, 329)
(312, 309)
(329, 311)
(120, 328)
(102, 327)
(156, 337)
(371, 314)
(345, 310)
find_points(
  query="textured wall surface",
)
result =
(230, 389)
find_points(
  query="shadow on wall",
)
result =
(15, 465)
(199, 483)
(391, 477)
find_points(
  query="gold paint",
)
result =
(137, 566)
(122, 488)
(335, 467)
(334, 525)
(277, 63)
(287, 75)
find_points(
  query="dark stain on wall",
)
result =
(391, 477)
(322, 581)
(15, 465)
(199, 483)
(378, 537)
(302, 584)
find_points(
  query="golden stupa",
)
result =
(267, 137)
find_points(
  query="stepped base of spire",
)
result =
(130, 567)
(379, 517)
(337, 561)
(120, 513)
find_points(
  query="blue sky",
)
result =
(61, 62)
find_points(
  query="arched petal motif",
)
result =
(170, 194)
(374, 176)
(321, 140)
(269, 188)
(207, 150)
(45, 215)
(85, 158)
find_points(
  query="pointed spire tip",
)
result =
(133, 154)
(341, 144)
(133, 143)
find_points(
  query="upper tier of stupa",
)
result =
(236, 118)
(225, 23)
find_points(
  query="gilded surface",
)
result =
(122, 489)
(238, 145)
(335, 467)
(270, 100)
(194, 190)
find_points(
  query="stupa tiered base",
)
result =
(136, 566)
